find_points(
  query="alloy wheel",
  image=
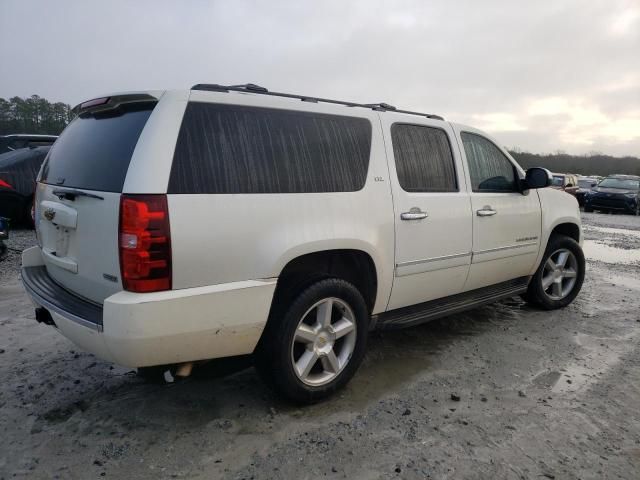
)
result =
(324, 341)
(560, 274)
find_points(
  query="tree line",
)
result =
(592, 164)
(33, 115)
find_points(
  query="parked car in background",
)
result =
(585, 184)
(181, 226)
(566, 182)
(615, 193)
(4, 235)
(9, 143)
(18, 171)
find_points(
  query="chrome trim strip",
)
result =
(477, 260)
(433, 259)
(58, 310)
(497, 249)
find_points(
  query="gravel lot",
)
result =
(499, 392)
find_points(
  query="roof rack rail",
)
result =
(253, 88)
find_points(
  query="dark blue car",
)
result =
(615, 193)
(18, 171)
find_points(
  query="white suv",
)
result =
(180, 226)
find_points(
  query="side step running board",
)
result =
(424, 312)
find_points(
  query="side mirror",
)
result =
(537, 177)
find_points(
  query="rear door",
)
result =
(78, 197)
(506, 222)
(432, 210)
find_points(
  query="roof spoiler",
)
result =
(110, 103)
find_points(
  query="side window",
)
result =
(490, 170)
(424, 161)
(238, 149)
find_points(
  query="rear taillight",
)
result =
(145, 243)
(4, 184)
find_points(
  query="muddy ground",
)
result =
(503, 391)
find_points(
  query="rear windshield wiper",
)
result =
(72, 194)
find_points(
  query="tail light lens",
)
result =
(4, 184)
(145, 243)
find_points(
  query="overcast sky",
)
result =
(542, 76)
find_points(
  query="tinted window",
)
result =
(95, 150)
(489, 168)
(236, 149)
(424, 161)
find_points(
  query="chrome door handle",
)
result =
(486, 211)
(414, 214)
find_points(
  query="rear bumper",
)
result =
(45, 292)
(138, 330)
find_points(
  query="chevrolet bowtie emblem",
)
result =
(49, 214)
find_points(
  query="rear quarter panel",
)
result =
(224, 238)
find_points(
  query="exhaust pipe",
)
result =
(183, 370)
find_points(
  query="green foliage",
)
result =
(593, 164)
(33, 115)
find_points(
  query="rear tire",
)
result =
(560, 275)
(313, 346)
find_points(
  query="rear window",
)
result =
(238, 149)
(95, 150)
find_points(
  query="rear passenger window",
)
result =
(424, 161)
(238, 149)
(489, 168)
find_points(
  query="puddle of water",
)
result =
(614, 231)
(609, 254)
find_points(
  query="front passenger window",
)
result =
(489, 168)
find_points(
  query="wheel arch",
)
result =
(354, 265)
(568, 226)
(569, 229)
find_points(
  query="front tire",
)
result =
(314, 346)
(560, 275)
